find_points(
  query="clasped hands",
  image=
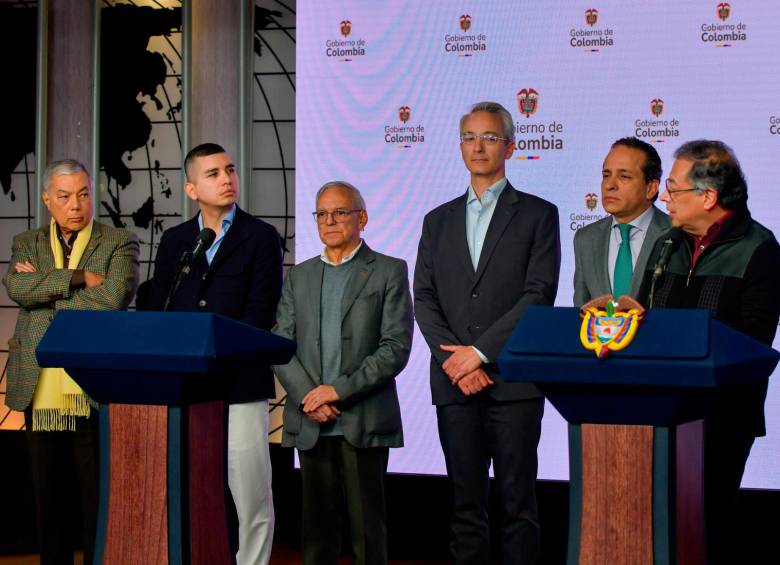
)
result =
(464, 369)
(318, 404)
(90, 279)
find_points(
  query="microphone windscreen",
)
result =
(206, 237)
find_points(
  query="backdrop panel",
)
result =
(383, 85)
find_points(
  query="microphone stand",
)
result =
(182, 269)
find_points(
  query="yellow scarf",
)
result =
(58, 399)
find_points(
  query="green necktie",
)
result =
(623, 267)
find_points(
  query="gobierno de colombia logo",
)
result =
(656, 129)
(580, 219)
(532, 136)
(463, 43)
(402, 133)
(592, 38)
(724, 32)
(774, 125)
(345, 49)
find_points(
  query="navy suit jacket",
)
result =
(454, 304)
(243, 282)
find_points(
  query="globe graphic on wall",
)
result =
(140, 185)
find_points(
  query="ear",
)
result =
(652, 189)
(362, 219)
(710, 198)
(510, 148)
(46, 201)
(189, 190)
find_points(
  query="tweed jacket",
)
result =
(376, 333)
(110, 252)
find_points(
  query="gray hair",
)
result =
(716, 166)
(65, 167)
(507, 123)
(357, 198)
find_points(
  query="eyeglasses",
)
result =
(339, 216)
(672, 192)
(487, 138)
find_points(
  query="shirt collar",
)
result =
(493, 190)
(641, 222)
(349, 257)
(714, 229)
(67, 242)
(227, 221)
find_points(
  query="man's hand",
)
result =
(92, 279)
(464, 360)
(319, 396)
(324, 414)
(474, 382)
(25, 267)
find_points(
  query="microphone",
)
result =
(204, 240)
(670, 244)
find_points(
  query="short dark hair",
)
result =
(715, 166)
(652, 168)
(202, 150)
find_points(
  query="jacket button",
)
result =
(202, 304)
(204, 276)
(474, 295)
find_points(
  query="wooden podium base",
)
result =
(636, 495)
(163, 485)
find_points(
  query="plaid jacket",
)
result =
(111, 252)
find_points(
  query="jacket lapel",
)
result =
(455, 227)
(312, 282)
(506, 208)
(92, 244)
(233, 238)
(601, 251)
(654, 231)
(361, 272)
(45, 254)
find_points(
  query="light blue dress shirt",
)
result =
(478, 215)
(639, 226)
(227, 221)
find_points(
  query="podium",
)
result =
(161, 380)
(635, 425)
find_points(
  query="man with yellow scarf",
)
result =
(73, 263)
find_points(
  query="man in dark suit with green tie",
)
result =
(350, 311)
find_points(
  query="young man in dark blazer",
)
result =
(483, 259)
(239, 276)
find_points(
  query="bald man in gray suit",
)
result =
(630, 179)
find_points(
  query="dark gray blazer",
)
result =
(591, 251)
(454, 304)
(376, 333)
